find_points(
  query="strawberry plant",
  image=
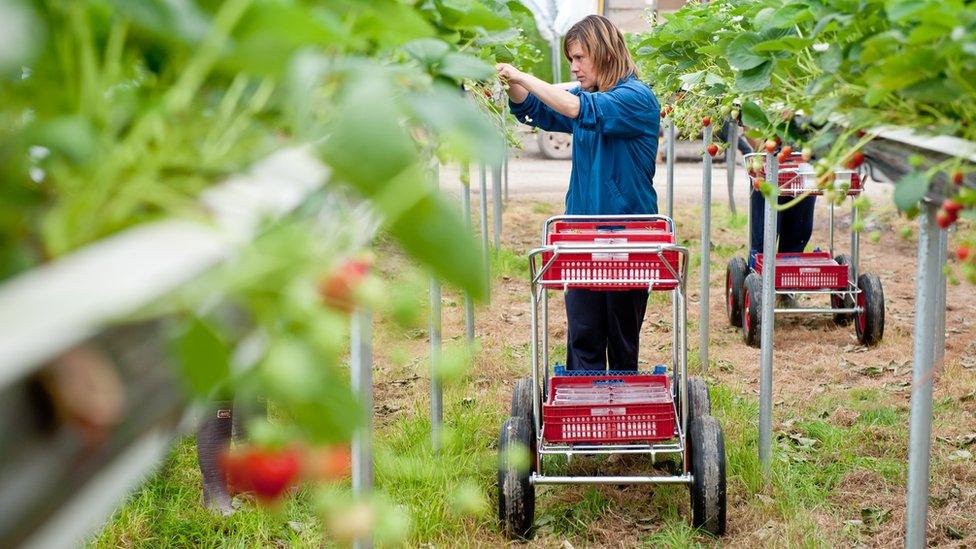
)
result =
(115, 113)
(821, 75)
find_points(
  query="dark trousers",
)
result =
(794, 226)
(604, 327)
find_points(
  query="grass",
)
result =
(838, 456)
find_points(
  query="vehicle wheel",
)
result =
(735, 275)
(516, 495)
(751, 309)
(869, 323)
(556, 145)
(845, 301)
(522, 402)
(708, 470)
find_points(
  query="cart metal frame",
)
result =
(540, 353)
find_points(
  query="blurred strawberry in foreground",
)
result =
(328, 463)
(267, 473)
(338, 289)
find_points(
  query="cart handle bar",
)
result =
(658, 249)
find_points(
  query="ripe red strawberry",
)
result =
(944, 219)
(771, 146)
(962, 252)
(664, 113)
(266, 472)
(706, 121)
(777, 140)
(712, 149)
(786, 150)
(957, 177)
(952, 207)
(854, 160)
(337, 288)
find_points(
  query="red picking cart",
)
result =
(853, 296)
(609, 412)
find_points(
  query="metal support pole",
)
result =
(706, 248)
(508, 149)
(557, 64)
(768, 319)
(855, 246)
(831, 240)
(483, 197)
(466, 213)
(732, 138)
(920, 421)
(362, 383)
(940, 302)
(436, 393)
(496, 196)
(670, 164)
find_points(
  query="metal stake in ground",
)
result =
(361, 358)
(496, 197)
(466, 213)
(669, 152)
(768, 318)
(436, 394)
(483, 198)
(706, 247)
(920, 421)
(508, 150)
(732, 139)
(940, 307)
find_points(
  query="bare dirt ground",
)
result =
(818, 365)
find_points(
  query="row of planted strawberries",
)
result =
(823, 77)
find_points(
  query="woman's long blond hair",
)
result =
(604, 43)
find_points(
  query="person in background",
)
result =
(615, 121)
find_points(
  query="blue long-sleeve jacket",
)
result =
(614, 147)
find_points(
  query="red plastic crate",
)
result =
(807, 271)
(610, 421)
(611, 271)
(791, 183)
(656, 225)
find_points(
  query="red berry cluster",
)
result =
(948, 213)
(269, 472)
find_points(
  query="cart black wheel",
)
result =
(522, 399)
(699, 403)
(845, 301)
(516, 495)
(708, 470)
(869, 323)
(751, 309)
(735, 275)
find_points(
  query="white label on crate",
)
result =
(615, 411)
(809, 270)
(610, 257)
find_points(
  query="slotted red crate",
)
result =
(655, 225)
(611, 270)
(807, 271)
(610, 421)
(791, 183)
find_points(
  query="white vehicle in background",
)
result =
(557, 145)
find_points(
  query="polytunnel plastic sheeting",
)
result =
(559, 15)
